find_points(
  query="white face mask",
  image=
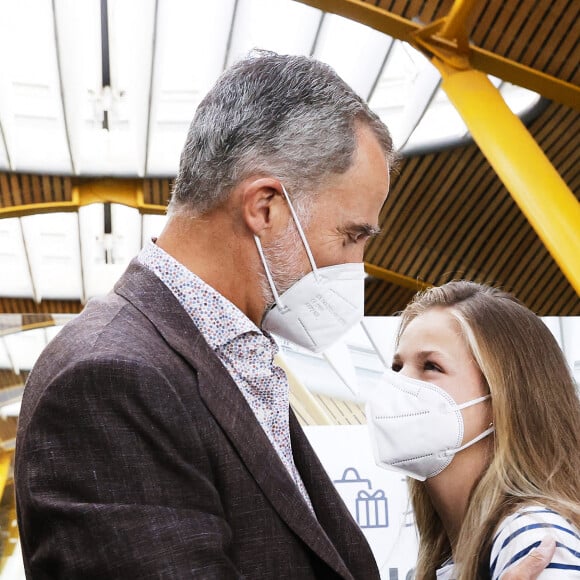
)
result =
(416, 427)
(321, 307)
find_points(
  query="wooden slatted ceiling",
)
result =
(540, 34)
(8, 428)
(383, 297)
(156, 191)
(9, 379)
(17, 189)
(29, 306)
(23, 189)
(448, 216)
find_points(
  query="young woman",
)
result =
(483, 413)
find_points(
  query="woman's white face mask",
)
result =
(319, 308)
(415, 426)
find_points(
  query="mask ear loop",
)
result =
(375, 345)
(301, 233)
(471, 403)
(487, 432)
(281, 305)
(481, 436)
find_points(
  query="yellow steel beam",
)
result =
(478, 58)
(5, 460)
(518, 74)
(26, 327)
(10, 535)
(123, 191)
(368, 14)
(457, 24)
(396, 278)
(537, 188)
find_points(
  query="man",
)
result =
(155, 437)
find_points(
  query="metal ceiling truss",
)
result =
(445, 42)
(510, 149)
(82, 192)
(443, 38)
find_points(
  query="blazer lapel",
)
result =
(333, 515)
(230, 409)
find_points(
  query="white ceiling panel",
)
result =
(518, 99)
(10, 322)
(283, 26)
(105, 256)
(107, 122)
(131, 30)
(190, 48)
(10, 410)
(152, 225)
(53, 251)
(395, 88)
(426, 84)
(4, 162)
(31, 111)
(79, 47)
(98, 87)
(15, 277)
(50, 332)
(345, 44)
(25, 347)
(440, 124)
(126, 233)
(61, 319)
(5, 362)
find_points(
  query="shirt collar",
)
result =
(218, 319)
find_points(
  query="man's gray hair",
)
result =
(289, 117)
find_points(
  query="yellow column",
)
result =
(5, 459)
(537, 188)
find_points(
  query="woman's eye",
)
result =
(431, 366)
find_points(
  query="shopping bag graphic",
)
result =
(368, 508)
(351, 476)
(372, 510)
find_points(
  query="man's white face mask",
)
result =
(416, 427)
(321, 307)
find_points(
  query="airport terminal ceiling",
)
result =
(96, 97)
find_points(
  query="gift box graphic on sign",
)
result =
(368, 507)
(371, 509)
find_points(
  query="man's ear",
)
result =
(263, 207)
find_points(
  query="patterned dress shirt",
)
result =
(245, 351)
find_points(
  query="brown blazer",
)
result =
(138, 457)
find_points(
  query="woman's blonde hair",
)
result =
(536, 413)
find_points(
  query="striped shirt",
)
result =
(520, 533)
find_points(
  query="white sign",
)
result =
(377, 498)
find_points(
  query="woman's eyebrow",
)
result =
(423, 354)
(419, 355)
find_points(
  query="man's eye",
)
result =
(358, 237)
